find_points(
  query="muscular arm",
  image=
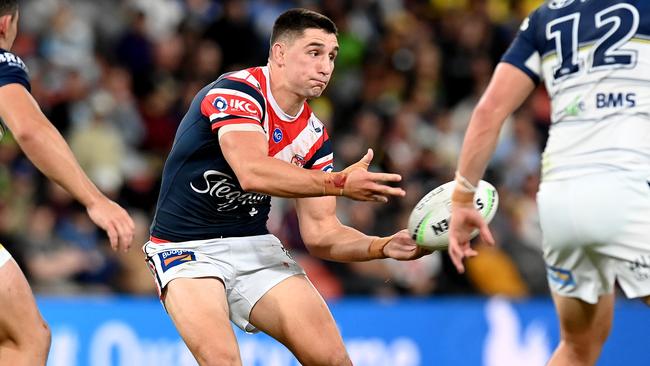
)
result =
(43, 144)
(247, 155)
(324, 235)
(507, 90)
(326, 238)
(46, 148)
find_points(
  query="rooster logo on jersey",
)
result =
(298, 160)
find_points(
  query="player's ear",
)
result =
(5, 23)
(278, 53)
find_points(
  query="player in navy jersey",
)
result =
(248, 136)
(594, 196)
(24, 335)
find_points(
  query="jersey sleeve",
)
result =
(523, 52)
(13, 70)
(323, 158)
(234, 103)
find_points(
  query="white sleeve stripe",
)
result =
(533, 63)
(240, 127)
(324, 159)
(235, 93)
(214, 116)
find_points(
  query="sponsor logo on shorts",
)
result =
(560, 276)
(287, 253)
(640, 267)
(174, 257)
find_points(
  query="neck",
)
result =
(288, 100)
(5, 45)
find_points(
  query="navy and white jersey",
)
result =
(200, 196)
(594, 58)
(13, 70)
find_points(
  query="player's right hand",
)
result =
(362, 185)
(465, 219)
(117, 223)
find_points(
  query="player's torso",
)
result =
(595, 59)
(201, 196)
(294, 139)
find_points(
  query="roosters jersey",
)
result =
(594, 58)
(200, 196)
(12, 71)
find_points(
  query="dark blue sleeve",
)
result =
(13, 70)
(523, 53)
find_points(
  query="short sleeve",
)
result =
(523, 52)
(13, 70)
(233, 102)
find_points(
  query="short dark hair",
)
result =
(8, 7)
(293, 22)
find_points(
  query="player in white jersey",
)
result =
(594, 198)
(24, 335)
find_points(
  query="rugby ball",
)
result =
(429, 221)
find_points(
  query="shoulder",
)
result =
(13, 70)
(9, 61)
(248, 79)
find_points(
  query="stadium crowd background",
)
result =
(115, 77)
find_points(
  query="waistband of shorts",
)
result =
(156, 240)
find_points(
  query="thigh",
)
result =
(295, 314)
(583, 322)
(199, 309)
(19, 316)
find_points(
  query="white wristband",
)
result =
(464, 184)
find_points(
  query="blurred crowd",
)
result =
(115, 77)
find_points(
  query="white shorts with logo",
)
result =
(248, 266)
(4, 255)
(596, 232)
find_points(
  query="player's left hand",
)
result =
(117, 223)
(403, 248)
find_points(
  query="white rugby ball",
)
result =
(429, 220)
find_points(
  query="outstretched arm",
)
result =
(247, 155)
(507, 90)
(325, 237)
(49, 152)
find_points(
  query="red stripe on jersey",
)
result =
(234, 121)
(322, 165)
(291, 129)
(229, 104)
(153, 239)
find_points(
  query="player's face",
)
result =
(310, 62)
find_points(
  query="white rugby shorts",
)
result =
(248, 266)
(596, 231)
(4, 255)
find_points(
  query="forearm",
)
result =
(278, 178)
(49, 152)
(345, 244)
(507, 90)
(479, 144)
